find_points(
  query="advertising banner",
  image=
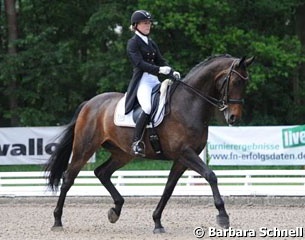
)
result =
(279, 145)
(28, 145)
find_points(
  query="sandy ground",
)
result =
(86, 218)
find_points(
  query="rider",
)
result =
(147, 63)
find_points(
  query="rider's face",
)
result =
(144, 27)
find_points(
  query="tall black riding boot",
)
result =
(138, 146)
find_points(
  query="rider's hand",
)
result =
(165, 70)
(176, 75)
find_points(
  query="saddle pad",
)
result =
(122, 120)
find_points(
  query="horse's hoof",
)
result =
(223, 221)
(112, 215)
(159, 230)
(57, 228)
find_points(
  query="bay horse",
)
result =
(219, 81)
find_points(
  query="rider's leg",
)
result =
(138, 146)
(146, 85)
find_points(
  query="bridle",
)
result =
(225, 100)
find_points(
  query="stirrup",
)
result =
(138, 148)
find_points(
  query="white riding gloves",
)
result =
(165, 70)
(176, 75)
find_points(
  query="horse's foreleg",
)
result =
(176, 172)
(103, 173)
(194, 162)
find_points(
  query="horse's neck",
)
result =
(201, 78)
(193, 103)
(202, 82)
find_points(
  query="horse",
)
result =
(218, 81)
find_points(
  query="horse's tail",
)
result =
(58, 162)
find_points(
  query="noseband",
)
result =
(222, 103)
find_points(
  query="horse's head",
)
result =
(231, 85)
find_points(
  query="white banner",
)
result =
(280, 145)
(28, 145)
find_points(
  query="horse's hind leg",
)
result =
(192, 161)
(68, 180)
(81, 154)
(74, 168)
(104, 173)
(176, 172)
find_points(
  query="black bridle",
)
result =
(223, 102)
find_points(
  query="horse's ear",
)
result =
(249, 61)
(245, 61)
(241, 61)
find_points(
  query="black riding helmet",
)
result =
(140, 15)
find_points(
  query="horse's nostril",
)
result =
(233, 120)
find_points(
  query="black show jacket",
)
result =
(144, 58)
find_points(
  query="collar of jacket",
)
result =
(142, 36)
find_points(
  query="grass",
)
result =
(137, 164)
(256, 167)
(101, 156)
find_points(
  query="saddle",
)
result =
(159, 94)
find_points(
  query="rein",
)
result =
(222, 103)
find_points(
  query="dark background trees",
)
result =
(56, 54)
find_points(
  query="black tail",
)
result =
(58, 162)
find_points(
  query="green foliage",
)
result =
(69, 51)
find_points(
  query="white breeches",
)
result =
(147, 83)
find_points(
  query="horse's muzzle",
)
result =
(233, 120)
(233, 115)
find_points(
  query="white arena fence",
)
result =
(151, 183)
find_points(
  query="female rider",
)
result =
(148, 63)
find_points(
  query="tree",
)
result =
(195, 29)
(11, 82)
(299, 81)
(68, 51)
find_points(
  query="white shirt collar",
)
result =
(144, 38)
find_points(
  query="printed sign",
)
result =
(280, 145)
(28, 145)
(294, 137)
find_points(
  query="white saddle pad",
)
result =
(122, 120)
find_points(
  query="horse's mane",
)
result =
(193, 71)
(207, 61)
